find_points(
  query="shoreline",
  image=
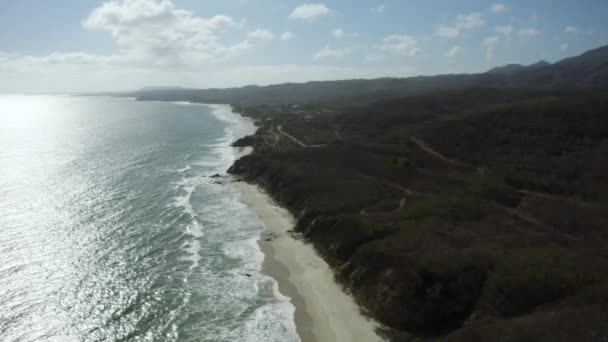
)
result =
(324, 312)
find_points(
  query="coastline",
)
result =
(323, 311)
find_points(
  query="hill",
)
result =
(589, 70)
(457, 215)
(455, 207)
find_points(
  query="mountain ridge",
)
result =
(585, 71)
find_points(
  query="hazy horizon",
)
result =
(119, 45)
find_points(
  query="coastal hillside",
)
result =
(461, 215)
(589, 70)
(455, 207)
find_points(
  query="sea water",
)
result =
(114, 228)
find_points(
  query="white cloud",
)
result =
(309, 12)
(491, 41)
(564, 47)
(504, 30)
(328, 52)
(455, 51)
(379, 9)
(71, 59)
(261, 34)
(402, 44)
(158, 44)
(158, 32)
(373, 58)
(340, 33)
(529, 33)
(92, 78)
(572, 30)
(287, 36)
(463, 22)
(470, 21)
(448, 32)
(490, 45)
(498, 8)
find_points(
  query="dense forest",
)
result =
(472, 219)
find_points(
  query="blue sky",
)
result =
(87, 45)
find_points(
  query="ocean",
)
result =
(114, 228)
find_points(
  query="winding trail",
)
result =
(553, 197)
(428, 149)
(296, 140)
(277, 137)
(407, 192)
(338, 135)
(510, 211)
(365, 212)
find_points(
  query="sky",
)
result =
(114, 45)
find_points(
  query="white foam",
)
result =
(194, 229)
(186, 103)
(272, 321)
(186, 168)
(263, 325)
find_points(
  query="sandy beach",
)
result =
(324, 312)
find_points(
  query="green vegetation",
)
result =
(523, 279)
(509, 222)
(457, 207)
(401, 162)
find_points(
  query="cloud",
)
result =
(572, 30)
(491, 41)
(328, 52)
(498, 8)
(490, 45)
(158, 32)
(379, 9)
(529, 33)
(401, 44)
(463, 22)
(564, 47)
(92, 78)
(309, 12)
(75, 59)
(373, 58)
(287, 36)
(448, 32)
(340, 33)
(470, 21)
(455, 51)
(261, 34)
(504, 30)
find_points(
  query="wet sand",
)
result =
(324, 312)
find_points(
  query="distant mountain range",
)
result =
(587, 71)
